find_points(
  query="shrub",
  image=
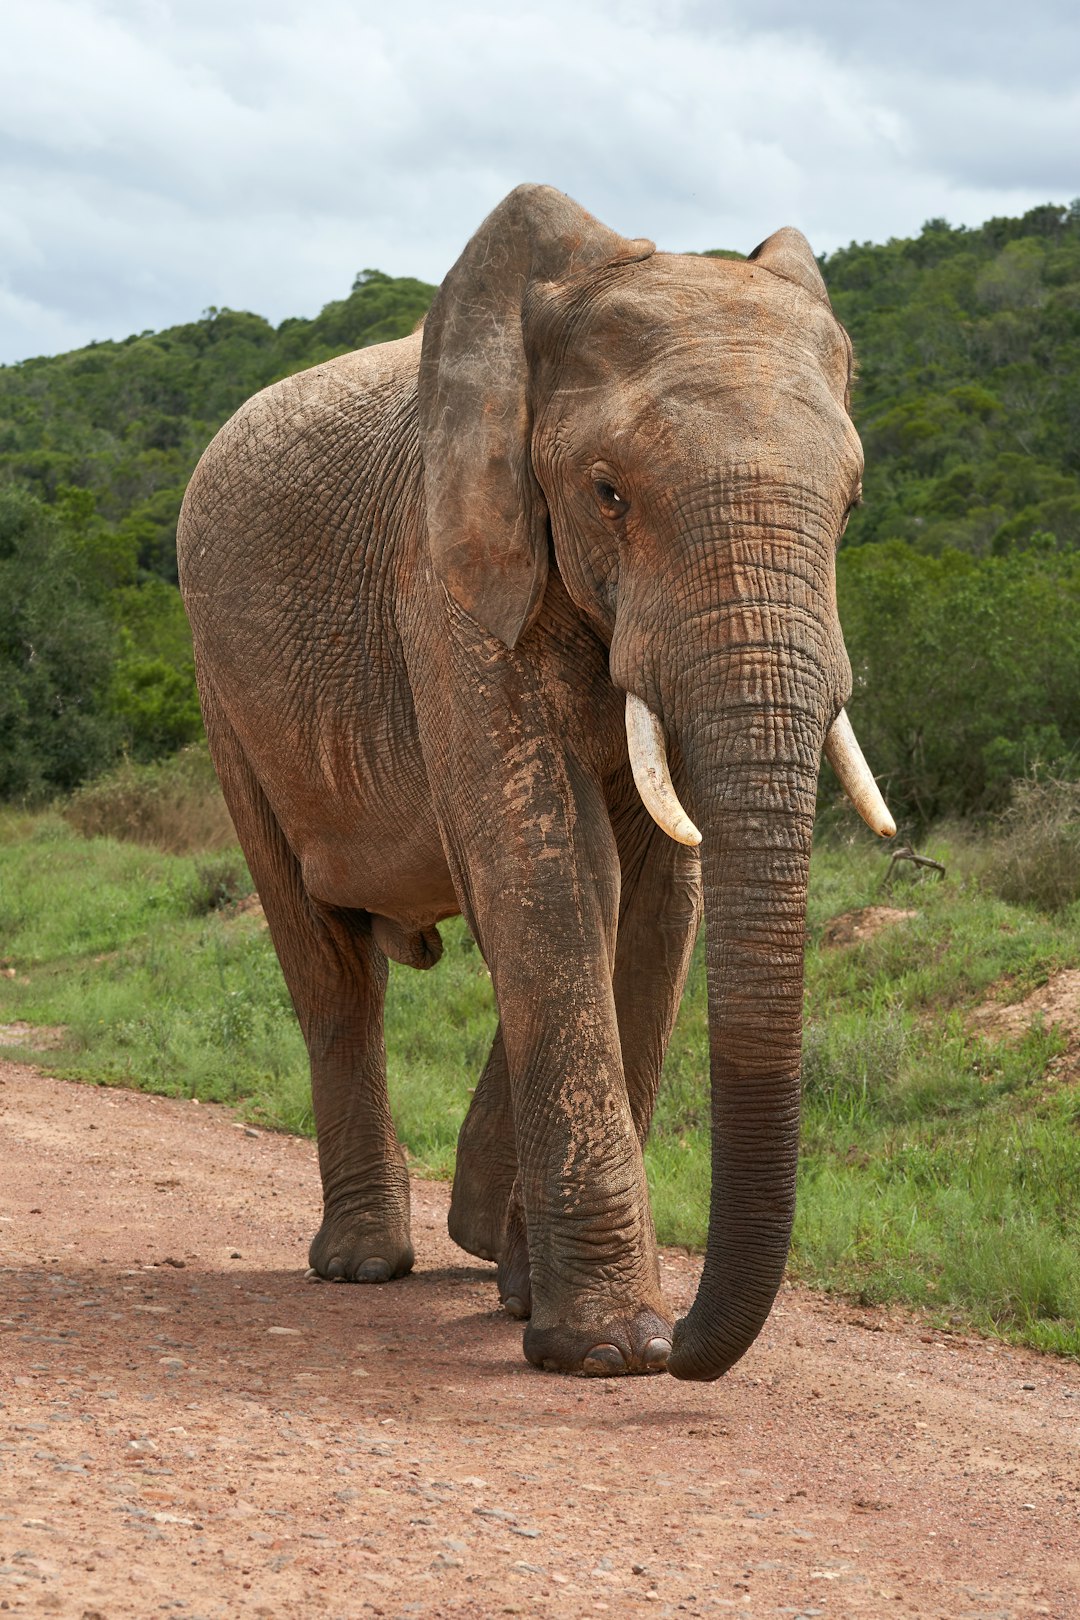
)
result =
(175, 806)
(1037, 858)
(222, 879)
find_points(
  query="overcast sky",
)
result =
(159, 156)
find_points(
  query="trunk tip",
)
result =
(693, 1359)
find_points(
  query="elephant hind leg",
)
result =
(336, 976)
(487, 1217)
(486, 1164)
(486, 1213)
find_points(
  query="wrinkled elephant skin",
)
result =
(422, 581)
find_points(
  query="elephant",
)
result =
(531, 617)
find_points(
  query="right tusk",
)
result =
(846, 758)
(648, 761)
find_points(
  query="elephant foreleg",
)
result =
(486, 1213)
(658, 919)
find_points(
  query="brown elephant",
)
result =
(452, 597)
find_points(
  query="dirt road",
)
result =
(188, 1428)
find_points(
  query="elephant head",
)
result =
(678, 426)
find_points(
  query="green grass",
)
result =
(939, 1169)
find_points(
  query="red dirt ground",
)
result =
(189, 1429)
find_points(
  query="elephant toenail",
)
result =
(655, 1354)
(335, 1269)
(513, 1306)
(375, 1270)
(603, 1361)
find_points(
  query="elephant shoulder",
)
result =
(315, 406)
(293, 438)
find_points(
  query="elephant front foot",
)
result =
(636, 1342)
(352, 1247)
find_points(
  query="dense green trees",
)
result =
(967, 671)
(55, 654)
(959, 576)
(96, 448)
(968, 397)
(91, 663)
(129, 420)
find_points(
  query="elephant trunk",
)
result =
(748, 683)
(756, 805)
(756, 813)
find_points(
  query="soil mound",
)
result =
(1056, 1003)
(856, 927)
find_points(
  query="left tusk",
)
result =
(648, 761)
(846, 758)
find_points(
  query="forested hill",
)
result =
(129, 420)
(968, 402)
(968, 399)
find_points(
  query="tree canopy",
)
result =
(968, 393)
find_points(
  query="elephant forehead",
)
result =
(694, 319)
(718, 405)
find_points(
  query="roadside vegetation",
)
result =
(941, 1158)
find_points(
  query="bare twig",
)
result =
(908, 854)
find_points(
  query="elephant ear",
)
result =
(787, 253)
(486, 514)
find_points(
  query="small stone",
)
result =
(283, 1330)
(637, 1569)
(236, 1255)
(1027, 1386)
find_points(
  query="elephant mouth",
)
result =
(652, 778)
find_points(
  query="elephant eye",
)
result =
(856, 500)
(612, 504)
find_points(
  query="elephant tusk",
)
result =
(648, 761)
(846, 758)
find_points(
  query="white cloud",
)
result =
(157, 157)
